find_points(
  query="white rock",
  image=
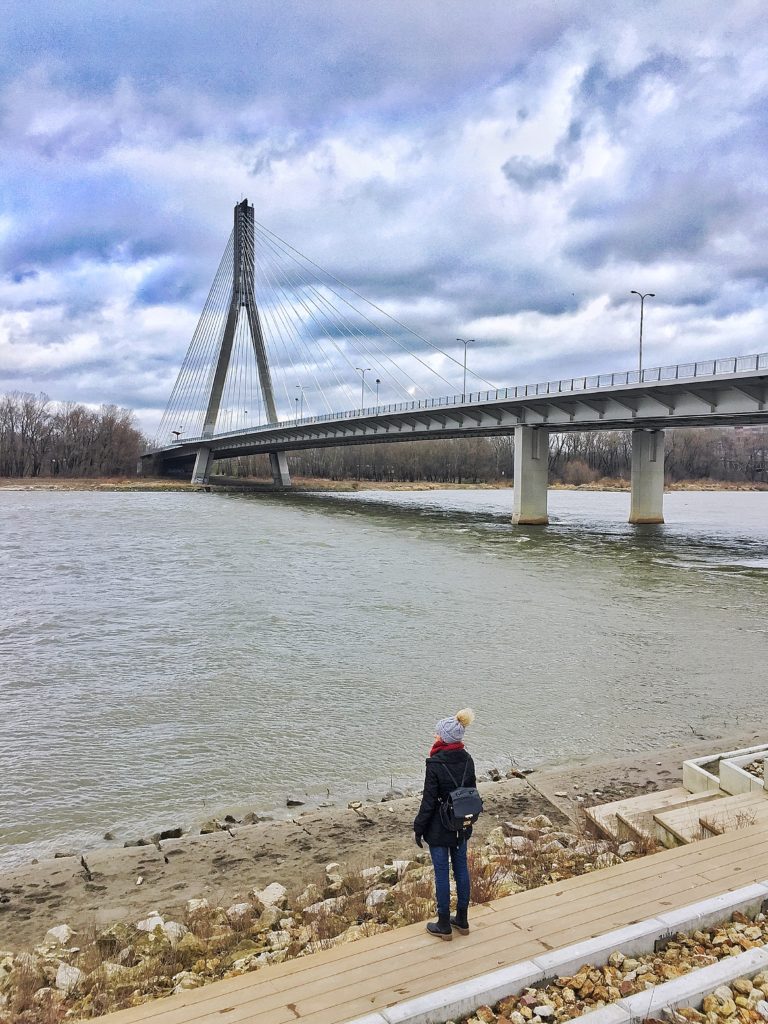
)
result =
(544, 1011)
(238, 911)
(605, 860)
(150, 923)
(68, 978)
(173, 931)
(368, 873)
(762, 1009)
(186, 980)
(401, 866)
(518, 843)
(275, 895)
(375, 898)
(195, 906)
(626, 848)
(723, 993)
(329, 906)
(58, 936)
(332, 869)
(279, 939)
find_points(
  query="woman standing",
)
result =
(447, 765)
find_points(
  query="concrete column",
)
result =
(647, 477)
(531, 475)
(202, 469)
(278, 463)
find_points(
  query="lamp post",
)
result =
(643, 297)
(300, 388)
(378, 381)
(362, 370)
(469, 341)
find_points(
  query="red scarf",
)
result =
(442, 745)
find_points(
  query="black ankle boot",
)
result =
(459, 921)
(441, 928)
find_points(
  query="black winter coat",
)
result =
(437, 785)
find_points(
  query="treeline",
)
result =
(39, 438)
(707, 453)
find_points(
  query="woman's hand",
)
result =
(417, 839)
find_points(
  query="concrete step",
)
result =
(693, 822)
(618, 819)
(735, 812)
(639, 823)
(680, 826)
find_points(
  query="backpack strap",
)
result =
(450, 774)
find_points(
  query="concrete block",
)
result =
(635, 938)
(613, 1014)
(691, 988)
(369, 1018)
(711, 911)
(461, 999)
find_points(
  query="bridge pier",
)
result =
(531, 476)
(278, 463)
(202, 470)
(647, 504)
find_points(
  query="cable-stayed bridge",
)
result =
(281, 346)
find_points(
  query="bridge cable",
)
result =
(288, 246)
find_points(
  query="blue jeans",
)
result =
(458, 858)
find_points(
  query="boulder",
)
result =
(210, 826)
(376, 897)
(173, 931)
(197, 906)
(275, 895)
(494, 775)
(172, 833)
(496, 838)
(626, 849)
(148, 924)
(238, 911)
(68, 978)
(186, 980)
(309, 896)
(58, 936)
(292, 801)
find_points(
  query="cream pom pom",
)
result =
(466, 716)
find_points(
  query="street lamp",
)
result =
(378, 381)
(301, 392)
(362, 371)
(296, 400)
(643, 297)
(469, 341)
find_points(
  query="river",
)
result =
(165, 656)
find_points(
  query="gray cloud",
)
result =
(494, 173)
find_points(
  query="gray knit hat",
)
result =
(450, 730)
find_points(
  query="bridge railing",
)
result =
(652, 375)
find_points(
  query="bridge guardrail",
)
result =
(652, 375)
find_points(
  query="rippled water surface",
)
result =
(163, 656)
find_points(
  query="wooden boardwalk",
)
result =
(336, 985)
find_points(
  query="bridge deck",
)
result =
(336, 985)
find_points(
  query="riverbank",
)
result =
(87, 888)
(323, 484)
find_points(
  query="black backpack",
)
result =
(463, 805)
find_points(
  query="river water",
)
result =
(166, 656)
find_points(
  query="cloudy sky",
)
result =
(494, 169)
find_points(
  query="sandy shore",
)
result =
(99, 887)
(323, 484)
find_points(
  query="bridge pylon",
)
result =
(242, 297)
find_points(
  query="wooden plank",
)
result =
(607, 816)
(740, 813)
(333, 985)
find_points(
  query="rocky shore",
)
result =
(88, 971)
